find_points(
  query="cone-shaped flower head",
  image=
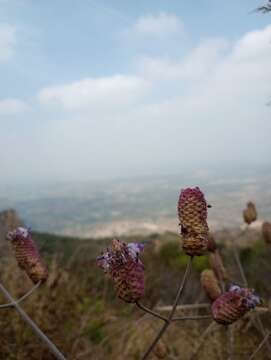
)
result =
(210, 284)
(234, 304)
(121, 262)
(250, 213)
(266, 231)
(192, 212)
(27, 254)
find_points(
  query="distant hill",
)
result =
(136, 206)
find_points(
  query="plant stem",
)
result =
(207, 331)
(147, 310)
(170, 317)
(25, 296)
(245, 282)
(260, 345)
(193, 317)
(31, 323)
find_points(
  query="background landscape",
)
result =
(107, 110)
(141, 205)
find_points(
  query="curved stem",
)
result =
(21, 299)
(147, 310)
(31, 323)
(169, 319)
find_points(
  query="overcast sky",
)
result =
(98, 89)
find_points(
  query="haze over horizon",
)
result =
(115, 89)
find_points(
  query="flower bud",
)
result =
(160, 350)
(250, 213)
(192, 213)
(121, 262)
(210, 284)
(27, 254)
(234, 304)
(266, 231)
(216, 264)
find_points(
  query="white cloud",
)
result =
(207, 107)
(118, 90)
(161, 24)
(12, 106)
(195, 65)
(7, 41)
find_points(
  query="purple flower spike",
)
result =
(234, 304)
(27, 254)
(121, 262)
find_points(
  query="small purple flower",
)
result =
(121, 262)
(27, 254)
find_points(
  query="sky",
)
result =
(99, 89)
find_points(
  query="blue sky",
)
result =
(97, 89)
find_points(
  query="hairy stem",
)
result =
(170, 317)
(147, 310)
(21, 299)
(31, 323)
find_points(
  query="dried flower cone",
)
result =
(250, 213)
(216, 264)
(266, 231)
(129, 282)
(121, 262)
(194, 245)
(233, 305)
(27, 254)
(160, 350)
(210, 284)
(192, 213)
(211, 245)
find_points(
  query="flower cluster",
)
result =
(121, 262)
(27, 254)
(234, 304)
(192, 212)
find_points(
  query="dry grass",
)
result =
(77, 309)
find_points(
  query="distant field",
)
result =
(137, 206)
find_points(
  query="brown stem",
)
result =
(207, 331)
(245, 282)
(230, 341)
(147, 310)
(31, 323)
(193, 317)
(260, 345)
(169, 319)
(184, 307)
